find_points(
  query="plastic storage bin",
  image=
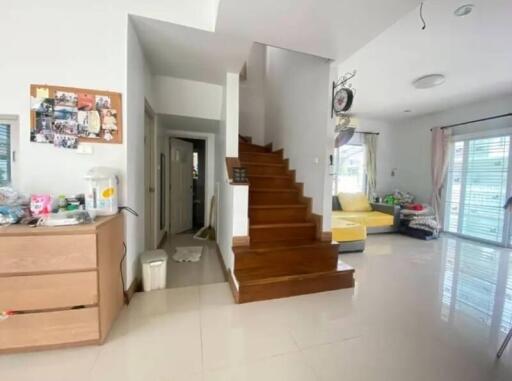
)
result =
(154, 270)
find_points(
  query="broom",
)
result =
(207, 232)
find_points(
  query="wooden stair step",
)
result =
(277, 245)
(265, 196)
(254, 287)
(261, 157)
(260, 214)
(249, 147)
(271, 181)
(274, 260)
(282, 231)
(255, 168)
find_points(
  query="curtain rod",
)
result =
(476, 121)
(367, 133)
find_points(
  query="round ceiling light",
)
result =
(428, 81)
(464, 10)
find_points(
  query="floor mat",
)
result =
(188, 254)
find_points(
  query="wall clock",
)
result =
(342, 94)
(342, 100)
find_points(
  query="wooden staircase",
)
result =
(286, 256)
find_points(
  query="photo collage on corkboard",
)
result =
(65, 116)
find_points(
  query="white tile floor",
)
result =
(433, 311)
(208, 270)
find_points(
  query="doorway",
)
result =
(181, 184)
(191, 162)
(478, 185)
(149, 177)
(198, 182)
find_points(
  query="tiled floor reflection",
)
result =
(421, 311)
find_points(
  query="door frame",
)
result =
(507, 217)
(151, 187)
(209, 190)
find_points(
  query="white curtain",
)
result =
(370, 142)
(440, 151)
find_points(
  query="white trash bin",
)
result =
(154, 269)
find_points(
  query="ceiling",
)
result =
(189, 53)
(186, 123)
(327, 28)
(473, 52)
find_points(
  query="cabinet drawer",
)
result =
(49, 328)
(29, 254)
(49, 291)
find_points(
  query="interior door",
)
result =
(181, 185)
(149, 181)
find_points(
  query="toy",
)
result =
(40, 204)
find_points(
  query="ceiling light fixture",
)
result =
(428, 81)
(407, 110)
(464, 10)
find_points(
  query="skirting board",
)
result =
(135, 286)
(162, 241)
(241, 240)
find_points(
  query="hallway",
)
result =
(208, 270)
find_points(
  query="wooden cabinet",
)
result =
(63, 284)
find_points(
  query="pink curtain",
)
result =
(440, 150)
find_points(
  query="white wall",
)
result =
(138, 77)
(411, 141)
(296, 105)
(184, 97)
(252, 101)
(44, 43)
(230, 199)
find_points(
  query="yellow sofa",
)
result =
(350, 228)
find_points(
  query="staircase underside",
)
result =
(285, 256)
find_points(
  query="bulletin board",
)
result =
(66, 116)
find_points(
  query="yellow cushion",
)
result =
(354, 202)
(368, 219)
(346, 231)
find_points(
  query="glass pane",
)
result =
(349, 161)
(477, 188)
(486, 187)
(5, 154)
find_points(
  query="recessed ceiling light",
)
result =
(407, 110)
(464, 10)
(428, 81)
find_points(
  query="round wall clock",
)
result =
(342, 100)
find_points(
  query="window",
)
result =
(477, 188)
(349, 169)
(5, 154)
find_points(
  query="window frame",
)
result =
(336, 158)
(507, 228)
(12, 122)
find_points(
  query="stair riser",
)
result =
(292, 287)
(269, 182)
(264, 170)
(300, 260)
(243, 147)
(266, 216)
(261, 158)
(273, 198)
(272, 234)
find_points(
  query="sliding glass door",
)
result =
(478, 184)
